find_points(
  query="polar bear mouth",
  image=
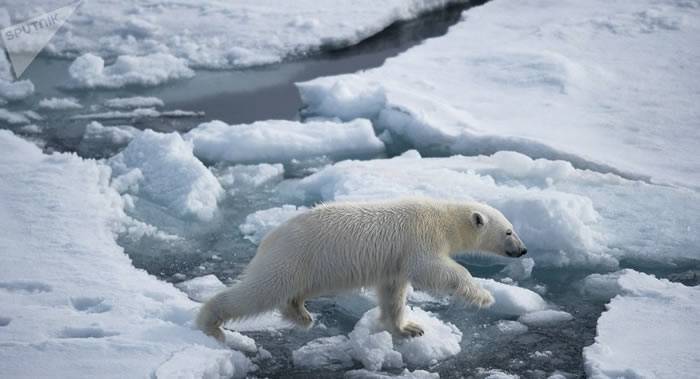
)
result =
(516, 254)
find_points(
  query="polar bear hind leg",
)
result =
(296, 312)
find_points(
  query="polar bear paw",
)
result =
(411, 329)
(482, 298)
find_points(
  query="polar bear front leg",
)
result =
(444, 275)
(392, 301)
(296, 312)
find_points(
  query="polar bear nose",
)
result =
(523, 251)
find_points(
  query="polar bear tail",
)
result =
(236, 302)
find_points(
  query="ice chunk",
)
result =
(545, 317)
(172, 176)
(512, 300)
(649, 330)
(282, 141)
(201, 288)
(137, 113)
(374, 347)
(88, 289)
(89, 71)
(13, 118)
(245, 177)
(519, 269)
(10, 89)
(511, 327)
(98, 138)
(134, 102)
(258, 224)
(60, 103)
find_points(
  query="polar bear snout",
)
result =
(514, 247)
(516, 254)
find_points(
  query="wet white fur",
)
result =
(344, 246)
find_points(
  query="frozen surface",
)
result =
(375, 348)
(90, 71)
(160, 168)
(245, 177)
(134, 102)
(92, 314)
(649, 329)
(217, 34)
(540, 78)
(405, 374)
(281, 140)
(512, 300)
(566, 216)
(547, 317)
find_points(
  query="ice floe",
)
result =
(89, 71)
(258, 224)
(60, 103)
(281, 140)
(649, 329)
(92, 313)
(134, 102)
(540, 79)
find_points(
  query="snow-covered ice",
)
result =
(282, 140)
(245, 177)
(512, 300)
(649, 330)
(92, 313)
(134, 102)
(218, 34)
(201, 288)
(375, 348)
(10, 89)
(166, 173)
(89, 71)
(607, 86)
(545, 317)
(60, 103)
(136, 114)
(98, 137)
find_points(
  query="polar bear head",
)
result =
(494, 233)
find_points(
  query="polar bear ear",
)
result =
(478, 219)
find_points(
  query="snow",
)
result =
(134, 102)
(60, 103)
(545, 317)
(281, 140)
(649, 329)
(374, 347)
(541, 79)
(405, 374)
(89, 71)
(259, 223)
(171, 176)
(218, 34)
(566, 216)
(92, 313)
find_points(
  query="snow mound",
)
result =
(97, 138)
(170, 175)
(258, 224)
(75, 304)
(89, 71)
(201, 288)
(369, 344)
(545, 317)
(512, 300)
(282, 141)
(550, 66)
(60, 103)
(649, 329)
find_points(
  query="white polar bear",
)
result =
(344, 246)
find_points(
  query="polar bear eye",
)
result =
(509, 232)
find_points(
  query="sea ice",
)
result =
(258, 224)
(281, 141)
(649, 329)
(171, 176)
(540, 79)
(60, 103)
(89, 71)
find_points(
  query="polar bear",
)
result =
(387, 245)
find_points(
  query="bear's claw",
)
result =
(411, 329)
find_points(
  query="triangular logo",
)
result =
(24, 41)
